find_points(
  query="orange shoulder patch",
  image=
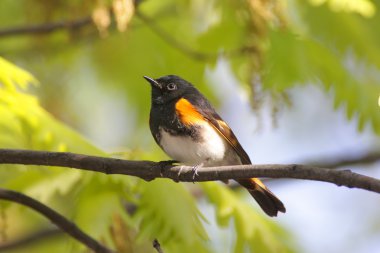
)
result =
(187, 113)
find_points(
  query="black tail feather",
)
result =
(270, 204)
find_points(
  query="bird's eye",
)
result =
(172, 86)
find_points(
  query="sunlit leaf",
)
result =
(12, 76)
(363, 7)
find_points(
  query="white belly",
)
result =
(210, 149)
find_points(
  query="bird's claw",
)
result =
(179, 173)
(163, 165)
(194, 170)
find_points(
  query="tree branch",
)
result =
(149, 170)
(59, 220)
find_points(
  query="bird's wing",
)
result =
(225, 131)
(191, 113)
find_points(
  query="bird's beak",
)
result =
(153, 82)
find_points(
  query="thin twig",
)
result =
(149, 170)
(157, 246)
(337, 160)
(29, 239)
(72, 25)
(47, 27)
(60, 221)
(180, 46)
(172, 41)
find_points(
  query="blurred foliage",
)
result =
(167, 210)
(332, 48)
(254, 233)
(88, 55)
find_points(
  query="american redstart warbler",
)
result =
(187, 128)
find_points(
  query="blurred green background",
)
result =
(298, 81)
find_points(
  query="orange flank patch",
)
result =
(187, 113)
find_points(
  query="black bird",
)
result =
(188, 129)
